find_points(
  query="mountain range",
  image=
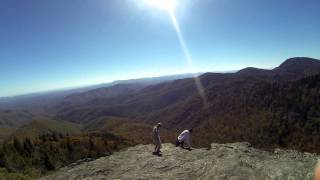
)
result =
(19, 111)
(148, 102)
(268, 102)
(42, 101)
(275, 108)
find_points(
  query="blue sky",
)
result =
(52, 44)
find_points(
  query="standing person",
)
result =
(156, 139)
(184, 139)
(317, 171)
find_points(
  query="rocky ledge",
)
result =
(222, 161)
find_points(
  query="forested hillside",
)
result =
(268, 108)
(277, 107)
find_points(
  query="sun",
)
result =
(168, 5)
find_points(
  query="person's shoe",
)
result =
(157, 153)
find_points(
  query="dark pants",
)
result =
(178, 143)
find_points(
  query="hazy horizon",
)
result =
(136, 78)
(86, 85)
(49, 45)
(89, 85)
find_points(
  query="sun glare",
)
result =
(168, 5)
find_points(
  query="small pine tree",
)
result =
(48, 163)
(3, 162)
(28, 147)
(69, 145)
(43, 138)
(17, 145)
(61, 135)
(91, 143)
(54, 137)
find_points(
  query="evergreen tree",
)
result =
(48, 163)
(2, 158)
(17, 145)
(69, 145)
(28, 147)
(54, 137)
(91, 143)
(61, 135)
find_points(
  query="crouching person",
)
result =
(184, 139)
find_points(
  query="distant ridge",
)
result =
(42, 101)
(298, 61)
(251, 71)
(146, 80)
(300, 65)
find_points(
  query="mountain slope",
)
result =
(152, 101)
(44, 126)
(11, 118)
(300, 65)
(278, 108)
(44, 103)
(273, 114)
(222, 161)
(136, 132)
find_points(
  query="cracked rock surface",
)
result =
(223, 161)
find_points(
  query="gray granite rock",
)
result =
(235, 161)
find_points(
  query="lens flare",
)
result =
(170, 6)
(187, 54)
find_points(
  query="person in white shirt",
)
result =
(156, 139)
(184, 139)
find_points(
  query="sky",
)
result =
(54, 44)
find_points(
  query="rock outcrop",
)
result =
(222, 161)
